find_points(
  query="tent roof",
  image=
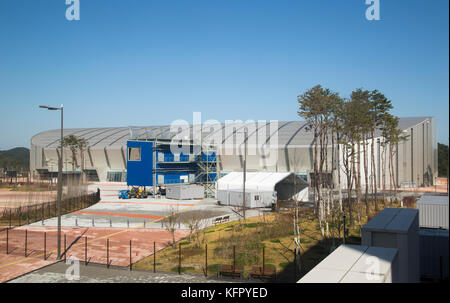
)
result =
(255, 181)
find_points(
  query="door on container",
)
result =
(160, 179)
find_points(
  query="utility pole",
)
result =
(245, 169)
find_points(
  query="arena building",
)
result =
(291, 143)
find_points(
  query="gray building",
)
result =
(291, 143)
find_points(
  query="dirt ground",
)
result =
(11, 199)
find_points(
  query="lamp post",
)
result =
(245, 169)
(60, 163)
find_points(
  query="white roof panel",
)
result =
(255, 181)
(352, 264)
(392, 220)
(435, 200)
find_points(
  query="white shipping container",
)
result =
(185, 192)
(356, 264)
(433, 211)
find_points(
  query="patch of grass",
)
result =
(182, 269)
(275, 241)
(185, 242)
(246, 259)
(252, 225)
(283, 265)
(213, 267)
(268, 265)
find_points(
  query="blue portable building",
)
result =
(139, 163)
(169, 168)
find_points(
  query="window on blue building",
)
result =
(134, 154)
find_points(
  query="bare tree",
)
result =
(171, 222)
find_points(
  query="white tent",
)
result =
(262, 188)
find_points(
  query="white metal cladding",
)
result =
(351, 264)
(293, 146)
(397, 228)
(433, 211)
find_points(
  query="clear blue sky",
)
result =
(151, 62)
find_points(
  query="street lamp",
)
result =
(245, 168)
(60, 163)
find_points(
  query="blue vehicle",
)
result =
(124, 194)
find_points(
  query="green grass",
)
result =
(182, 269)
(283, 265)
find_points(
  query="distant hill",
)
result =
(9, 157)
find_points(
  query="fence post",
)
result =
(7, 238)
(65, 253)
(28, 215)
(131, 264)
(234, 256)
(107, 253)
(179, 259)
(45, 245)
(10, 218)
(85, 251)
(20, 216)
(154, 256)
(26, 235)
(264, 260)
(206, 260)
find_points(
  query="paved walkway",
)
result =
(139, 220)
(37, 246)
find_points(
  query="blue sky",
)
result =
(142, 62)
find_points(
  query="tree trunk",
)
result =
(339, 174)
(355, 178)
(374, 171)
(366, 177)
(390, 175)
(383, 172)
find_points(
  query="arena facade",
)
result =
(291, 143)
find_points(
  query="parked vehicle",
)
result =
(124, 194)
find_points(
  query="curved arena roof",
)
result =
(290, 133)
